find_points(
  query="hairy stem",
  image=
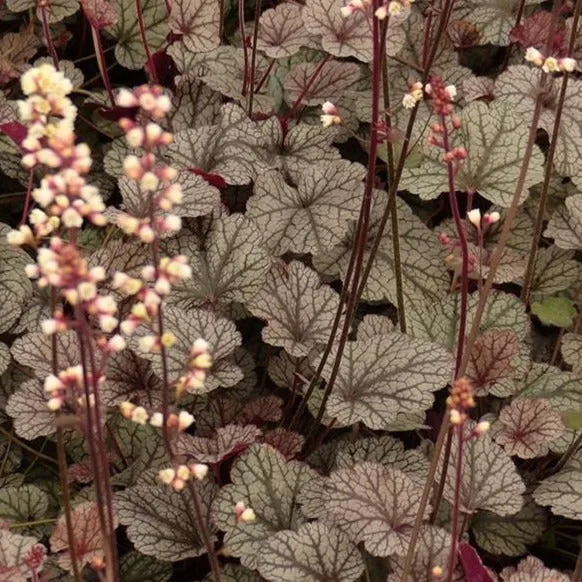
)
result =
(241, 26)
(47, 34)
(456, 505)
(144, 41)
(308, 85)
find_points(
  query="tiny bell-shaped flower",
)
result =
(437, 572)
(474, 217)
(567, 64)
(551, 65)
(198, 471)
(491, 218)
(185, 419)
(534, 56)
(482, 427)
(166, 476)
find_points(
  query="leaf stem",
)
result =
(456, 505)
(101, 63)
(144, 41)
(47, 33)
(26, 447)
(241, 26)
(308, 85)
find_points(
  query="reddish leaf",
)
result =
(287, 442)
(464, 34)
(533, 31)
(213, 179)
(475, 571)
(164, 67)
(88, 540)
(15, 131)
(99, 13)
(263, 409)
(490, 359)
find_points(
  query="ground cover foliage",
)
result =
(307, 306)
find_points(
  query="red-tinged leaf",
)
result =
(490, 359)
(99, 13)
(88, 540)
(287, 442)
(227, 441)
(532, 569)
(15, 131)
(463, 34)
(82, 472)
(213, 179)
(19, 556)
(527, 427)
(533, 31)
(475, 571)
(263, 409)
(165, 70)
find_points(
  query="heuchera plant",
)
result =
(290, 291)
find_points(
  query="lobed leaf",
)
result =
(281, 31)
(198, 23)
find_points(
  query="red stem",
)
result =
(26, 208)
(241, 25)
(47, 35)
(456, 505)
(265, 76)
(464, 249)
(310, 83)
(144, 41)
(254, 57)
(100, 55)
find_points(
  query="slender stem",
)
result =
(511, 214)
(101, 63)
(393, 209)
(221, 19)
(241, 26)
(570, 452)
(13, 438)
(265, 75)
(47, 34)
(309, 85)
(254, 57)
(530, 270)
(145, 43)
(360, 243)
(509, 50)
(456, 505)
(26, 208)
(31, 523)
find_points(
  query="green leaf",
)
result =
(198, 24)
(375, 505)
(385, 376)
(230, 266)
(129, 50)
(298, 309)
(56, 10)
(310, 210)
(23, 504)
(565, 226)
(315, 553)
(558, 311)
(495, 139)
(509, 536)
(490, 480)
(28, 407)
(158, 522)
(264, 481)
(281, 31)
(572, 419)
(135, 567)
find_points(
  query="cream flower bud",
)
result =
(146, 234)
(199, 471)
(329, 108)
(168, 339)
(178, 484)
(381, 13)
(567, 64)
(163, 104)
(49, 326)
(482, 427)
(44, 196)
(437, 572)
(132, 167)
(329, 120)
(551, 65)
(126, 98)
(199, 346)
(157, 419)
(451, 91)
(108, 323)
(474, 217)
(408, 101)
(116, 343)
(139, 415)
(394, 8)
(166, 476)
(346, 11)
(455, 417)
(149, 182)
(173, 223)
(55, 404)
(148, 343)
(183, 473)
(534, 56)
(32, 271)
(248, 516)
(162, 286)
(185, 419)
(126, 409)
(86, 290)
(135, 137)
(52, 383)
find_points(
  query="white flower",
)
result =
(248, 515)
(534, 56)
(126, 98)
(139, 415)
(135, 137)
(71, 218)
(199, 471)
(474, 217)
(381, 13)
(394, 8)
(166, 476)
(408, 101)
(148, 343)
(183, 473)
(329, 120)
(567, 64)
(157, 419)
(116, 343)
(551, 65)
(52, 384)
(346, 11)
(329, 108)
(451, 91)
(185, 419)
(108, 323)
(482, 427)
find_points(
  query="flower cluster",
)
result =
(355, 6)
(413, 96)
(460, 400)
(178, 477)
(550, 64)
(138, 414)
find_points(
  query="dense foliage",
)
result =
(290, 291)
